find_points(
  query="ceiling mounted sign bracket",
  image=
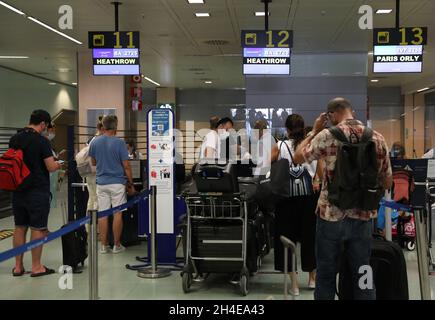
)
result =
(266, 13)
(397, 14)
(116, 4)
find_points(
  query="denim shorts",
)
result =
(31, 208)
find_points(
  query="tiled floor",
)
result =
(116, 282)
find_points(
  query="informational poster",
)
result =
(161, 165)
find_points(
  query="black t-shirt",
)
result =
(35, 148)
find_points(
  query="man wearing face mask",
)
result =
(31, 205)
(227, 138)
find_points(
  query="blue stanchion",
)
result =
(67, 229)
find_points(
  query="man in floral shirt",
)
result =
(335, 226)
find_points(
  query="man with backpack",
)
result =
(31, 198)
(357, 172)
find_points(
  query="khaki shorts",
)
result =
(110, 196)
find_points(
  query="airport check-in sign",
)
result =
(399, 50)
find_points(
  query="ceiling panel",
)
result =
(172, 38)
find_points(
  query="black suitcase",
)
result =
(389, 272)
(204, 234)
(74, 247)
(130, 232)
(216, 177)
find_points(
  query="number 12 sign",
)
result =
(267, 39)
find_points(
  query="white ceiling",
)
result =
(172, 39)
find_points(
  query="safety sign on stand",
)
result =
(161, 165)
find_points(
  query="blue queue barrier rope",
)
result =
(6, 255)
(397, 206)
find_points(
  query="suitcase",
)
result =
(130, 231)
(216, 177)
(205, 242)
(389, 273)
(74, 246)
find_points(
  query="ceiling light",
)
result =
(384, 11)
(54, 30)
(374, 80)
(208, 82)
(12, 8)
(202, 14)
(63, 70)
(52, 83)
(261, 13)
(195, 1)
(370, 53)
(424, 89)
(74, 83)
(326, 74)
(14, 57)
(152, 81)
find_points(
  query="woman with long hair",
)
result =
(295, 216)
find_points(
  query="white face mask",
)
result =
(224, 135)
(51, 136)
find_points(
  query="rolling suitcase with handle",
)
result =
(389, 272)
(74, 246)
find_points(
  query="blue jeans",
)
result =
(330, 237)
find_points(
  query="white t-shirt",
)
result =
(263, 154)
(211, 140)
(284, 154)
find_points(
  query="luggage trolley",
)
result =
(217, 237)
(217, 227)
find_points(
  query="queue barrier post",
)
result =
(422, 254)
(153, 271)
(93, 256)
(388, 219)
(288, 245)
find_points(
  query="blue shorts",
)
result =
(31, 208)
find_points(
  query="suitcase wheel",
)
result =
(186, 281)
(244, 284)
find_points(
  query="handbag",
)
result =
(274, 186)
(301, 182)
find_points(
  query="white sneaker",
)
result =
(312, 284)
(118, 249)
(104, 249)
(294, 292)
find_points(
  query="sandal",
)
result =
(18, 274)
(40, 274)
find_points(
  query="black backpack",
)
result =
(355, 184)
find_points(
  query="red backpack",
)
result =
(13, 170)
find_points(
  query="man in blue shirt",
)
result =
(110, 155)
